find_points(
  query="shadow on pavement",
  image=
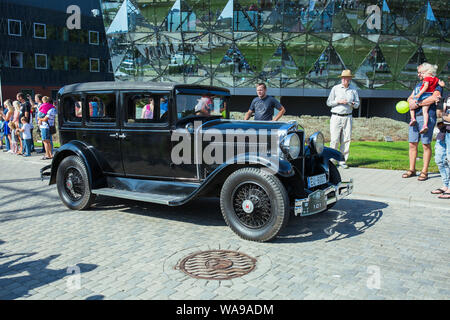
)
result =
(18, 278)
(349, 218)
(201, 211)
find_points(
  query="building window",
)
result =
(14, 27)
(93, 37)
(16, 59)
(40, 61)
(94, 64)
(40, 31)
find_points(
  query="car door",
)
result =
(102, 130)
(145, 140)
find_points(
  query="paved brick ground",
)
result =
(361, 249)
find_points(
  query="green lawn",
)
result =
(385, 155)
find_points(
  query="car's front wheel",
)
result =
(72, 182)
(254, 204)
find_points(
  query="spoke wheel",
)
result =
(72, 182)
(252, 205)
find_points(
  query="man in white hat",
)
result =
(343, 99)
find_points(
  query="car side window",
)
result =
(146, 108)
(101, 107)
(72, 108)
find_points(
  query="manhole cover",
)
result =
(217, 265)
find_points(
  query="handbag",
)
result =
(52, 129)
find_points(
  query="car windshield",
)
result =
(201, 104)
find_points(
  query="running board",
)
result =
(169, 200)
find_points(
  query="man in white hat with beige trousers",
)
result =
(343, 99)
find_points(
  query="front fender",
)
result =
(75, 147)
(329, 153)
(273, 164)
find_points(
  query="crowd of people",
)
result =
(18, 120)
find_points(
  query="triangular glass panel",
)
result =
(118, 46)
(292, 21)
(324, 21)
(341, 23)
(127, 67)
(136, 22)
(200, 45)
(397, 51)
(353, 50)
(436, 52)
(409, 71)
(355, 16)
(120, 22)
(388, 25)
(224, 21)
(425, 23)
(110, 9)
(280, 66)
(156, 12)
(179, 18)
(373, 68)
(360, 83)
(247, 20)
(272, 20)
(328, 65)
(315, 58)
(296, 48)
(257, 51)
(201, 10)
(311, 12)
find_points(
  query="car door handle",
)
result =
(122, 136)
(114, 135)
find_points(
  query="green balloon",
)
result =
(402, 106)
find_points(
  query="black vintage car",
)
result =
(169, 144)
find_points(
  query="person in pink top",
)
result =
(147, 110)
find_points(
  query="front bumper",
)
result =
(318, 200)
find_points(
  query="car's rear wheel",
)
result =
(72, 182)
(254, 204)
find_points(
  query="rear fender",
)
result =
(77, 148)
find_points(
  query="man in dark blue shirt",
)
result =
(263, 106)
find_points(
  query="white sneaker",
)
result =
(343, 165)
(10, 151)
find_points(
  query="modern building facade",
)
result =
(297, 47)
(45, 45)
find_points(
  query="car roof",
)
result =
(129, 85)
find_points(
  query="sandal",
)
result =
(438, 191)
(409, 174)
(445, 195)
(423, 176)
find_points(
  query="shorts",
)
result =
(45, 133)
(414, 131)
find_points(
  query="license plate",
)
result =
(318, 180)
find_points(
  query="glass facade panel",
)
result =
(295, 44)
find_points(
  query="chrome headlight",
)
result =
(316, 142)
(291, 145)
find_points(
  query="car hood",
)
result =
(268, 126)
